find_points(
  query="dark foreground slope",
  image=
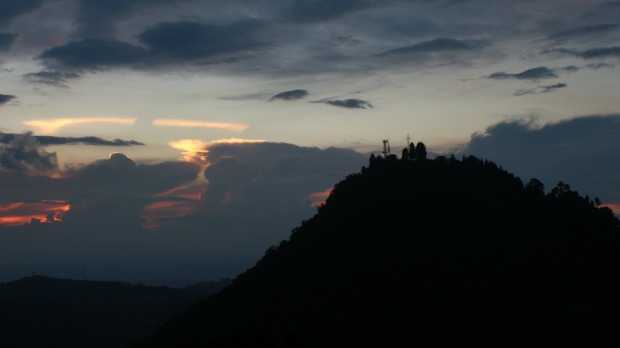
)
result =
(425, 253)
(44, 312)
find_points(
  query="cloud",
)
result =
(24, 213)
(188, 41)
(92, 54)
(295, 94)
(96, 18)
(10, 9)
(538, 73)
(584, 31)
(348, 103)
(192, 150)
(243, 97)
(23, 154)
(540, 89)
(322, 10)
(180, 123)
(592, 53)
(51, 78)
(440, 45)
(584, 152)
(233, 141)
(6, 41)
(51, 126)
(256, 193)
(195, 150)
(163, 44)
(6, 138)
(6, 98)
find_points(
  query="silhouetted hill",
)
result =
(46, 312)
(425, 253)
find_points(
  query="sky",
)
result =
(164, 102)
(437, 69)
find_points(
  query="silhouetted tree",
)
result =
(412, 153)
(420, 152)
(560, 190)
(535, 187)
(405, 156)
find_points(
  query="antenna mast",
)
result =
(386, 148)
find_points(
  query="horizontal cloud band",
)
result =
(180, 123)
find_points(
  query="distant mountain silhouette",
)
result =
(46, 312)
(416, 253)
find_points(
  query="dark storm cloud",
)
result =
(10, 9)
(6, 41)
(295, 94)
(23, 154)
(6, 98)
(6, 138)
(585, 31)
(538, 73)
(540, 89)
(583, 151)
(52, 78)
(348, 103)
(434, 46)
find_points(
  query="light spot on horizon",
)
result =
(192, 150)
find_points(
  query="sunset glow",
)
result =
(192, 150)
(615, 207)
(52, 126)
(317, 199)
(183, 200)
(157, 212)
(22, 213)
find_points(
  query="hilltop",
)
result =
(424, 251)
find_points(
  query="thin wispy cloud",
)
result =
(52, 126)
(181, 123)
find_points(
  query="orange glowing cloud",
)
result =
(153, 214)
(234, 141)
(317, 199)
(179, 123)
(22, 213)
(51, 126)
